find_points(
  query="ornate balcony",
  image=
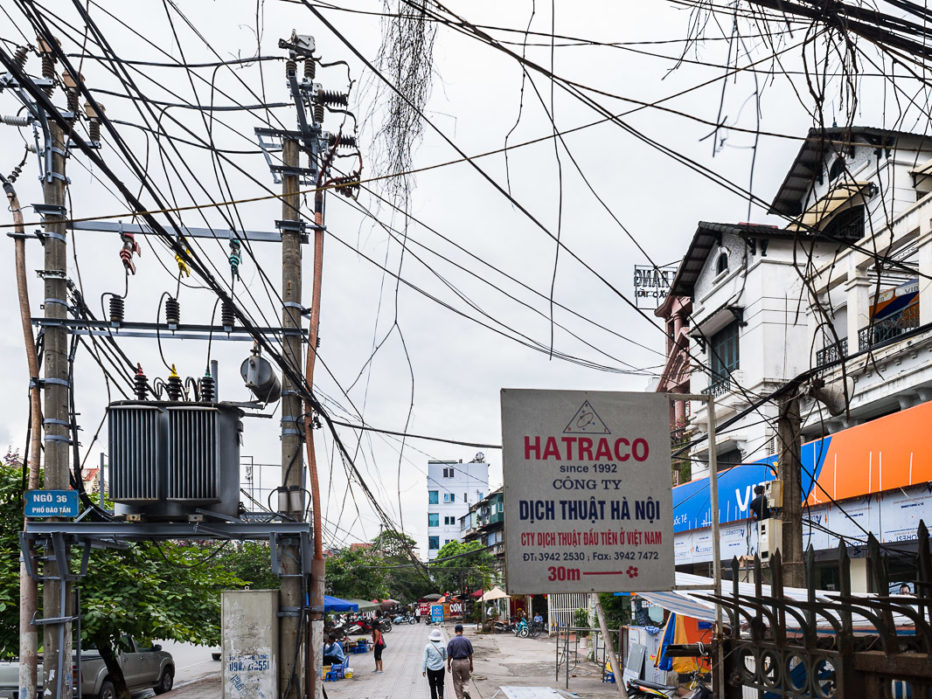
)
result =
(720, 386)
(832, 353)
(889, 328)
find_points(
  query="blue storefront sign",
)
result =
(692, 501)
(51, 503)
(436, 613)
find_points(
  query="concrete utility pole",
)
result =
(318, 567)
(790, 472)
(291, 600)
(28, 590)
(57, 413)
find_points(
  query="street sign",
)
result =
(436, 613)
(588, 504)
(51, 503)
(652, 284)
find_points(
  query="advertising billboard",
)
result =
(652, 284)
(586, 491)
(881, 455)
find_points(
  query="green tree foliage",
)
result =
(392, 544)
(356, 573)
(405, 580)
(460, 565)
(617, 609)
(581, 621)
(166, 590)
(250, 561)
(381, 570)
(152, 591)
(11, 514)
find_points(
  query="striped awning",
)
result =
(822, 211)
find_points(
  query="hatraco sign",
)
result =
(587, 491)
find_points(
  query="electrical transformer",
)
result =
(170, 459)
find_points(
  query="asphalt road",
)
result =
(194, 666)
(191, 662)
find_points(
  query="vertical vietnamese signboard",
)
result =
(436, 613)
(587, 488)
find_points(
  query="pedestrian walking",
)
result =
(459, 662)
(417, 614)
(435, 654)
(378, 645)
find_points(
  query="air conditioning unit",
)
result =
(170, 459)
(774, 492)
(769, 537)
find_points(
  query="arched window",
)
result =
(838, 167)
(721, 263)
(848, 225)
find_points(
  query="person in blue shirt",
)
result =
(432, 667)
(333, 652)
(459, 662)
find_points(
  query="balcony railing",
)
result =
(889, 328)
(832, 353)
(719, 387)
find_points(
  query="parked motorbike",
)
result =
(357, 626)
(503, 627)
(521, 629)
(645, 688)
(404, 619)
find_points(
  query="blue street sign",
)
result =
(52, 503)
(436, 613)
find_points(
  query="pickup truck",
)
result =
(143, 668)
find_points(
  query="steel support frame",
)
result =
(56, 537)
(163, 331)
(146, 531)
(119, 227)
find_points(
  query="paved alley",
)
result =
(402, 663)
(500, 660)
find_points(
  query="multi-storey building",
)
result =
(838, 302)
(485, 523)
(452, 486)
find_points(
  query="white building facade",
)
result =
(452, 486)
(840, 299)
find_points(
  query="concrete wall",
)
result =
(250, 644)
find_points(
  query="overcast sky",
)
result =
(457, 366)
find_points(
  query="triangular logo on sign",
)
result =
(586, 421)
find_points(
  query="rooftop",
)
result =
(807, 167)
(705, 239)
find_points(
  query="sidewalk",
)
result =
(505, 660)
(204, 688)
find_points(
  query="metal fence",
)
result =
(830, 644)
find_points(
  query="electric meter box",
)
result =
(774, 492)
(769, 537)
